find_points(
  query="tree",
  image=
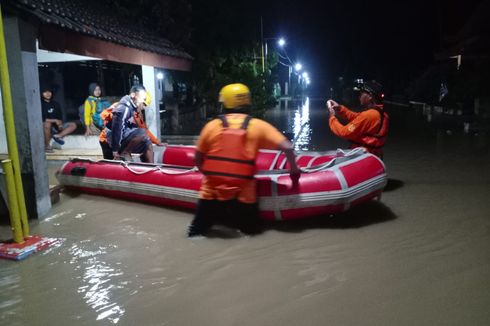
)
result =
(227, 50)
(225, 42)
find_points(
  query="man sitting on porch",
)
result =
(52, 120)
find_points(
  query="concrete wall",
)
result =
(20, 39)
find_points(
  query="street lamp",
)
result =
(281, 42)
(298, 66)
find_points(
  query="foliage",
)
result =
(227, 50)
(220, 68)
(225, 46)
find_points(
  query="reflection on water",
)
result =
(301, 126)
(8, 283)
(99, 281)
(293, 119)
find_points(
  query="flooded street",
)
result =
(421, 256)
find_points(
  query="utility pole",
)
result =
(262, 43)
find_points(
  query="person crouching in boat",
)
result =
(368, 128)
(225, 154)
(124, 136)
(106, 116)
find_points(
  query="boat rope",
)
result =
(158, 168)
(177, 170)
(173, 172)
(341, 156)
(127, 166)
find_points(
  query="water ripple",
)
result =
(99, 281)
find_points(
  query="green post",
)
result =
(10, 129)
(12, 201)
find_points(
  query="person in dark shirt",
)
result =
(52, 120)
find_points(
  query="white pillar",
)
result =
(152, 112)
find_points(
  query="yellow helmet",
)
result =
(147, 101)
(234, 95)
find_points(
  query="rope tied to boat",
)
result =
(178, 170)
(341, 156)
(173, 172)
(158, 168)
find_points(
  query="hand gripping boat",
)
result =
(330, 183)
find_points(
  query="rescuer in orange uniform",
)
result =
(225, 154)
(368, 128)
(106, 117)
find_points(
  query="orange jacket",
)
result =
(227, 159)
(260, 134)
(368, 128)
(106, 116)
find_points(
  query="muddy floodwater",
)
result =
(421, 256)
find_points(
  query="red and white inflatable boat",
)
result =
(331, 182)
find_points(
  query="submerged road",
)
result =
(419, 257)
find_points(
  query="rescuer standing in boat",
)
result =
(368, 128)
(225, 154)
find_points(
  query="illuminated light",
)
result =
(160, 75)
(301, 126)
(298, 66)
(281, 42)
(305, 75)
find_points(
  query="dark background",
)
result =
(391, 41)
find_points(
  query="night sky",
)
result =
(391, 41)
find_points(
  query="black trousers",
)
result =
(106, 151)
(231, 213)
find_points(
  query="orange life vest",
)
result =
(106, 117)
(227, 160)
(378, 139)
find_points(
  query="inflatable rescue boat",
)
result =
(330, 182)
